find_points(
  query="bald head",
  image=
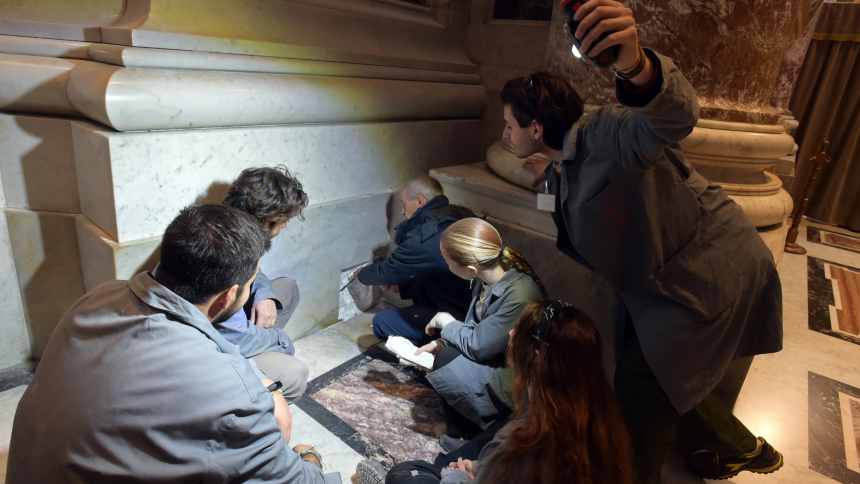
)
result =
(417, 192)
(424, 185)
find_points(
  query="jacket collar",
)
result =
(418, 218)
(568, 148)
(509, 279)
(163, 300)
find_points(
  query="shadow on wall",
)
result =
(47, 262)
(50, 180)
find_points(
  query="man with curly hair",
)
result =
(273, 196)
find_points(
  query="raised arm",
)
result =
(660, 105)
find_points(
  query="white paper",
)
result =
(403, 348)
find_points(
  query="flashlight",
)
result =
(605, 58)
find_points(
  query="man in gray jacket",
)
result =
(272, 196)
(136, 385)
(696, 286)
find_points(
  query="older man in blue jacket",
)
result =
(416, 268)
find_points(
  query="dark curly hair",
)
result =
(547, 98)
(272, 195)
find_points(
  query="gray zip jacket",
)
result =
(477, 384)
(135, 385)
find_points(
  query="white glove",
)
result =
(439, 322)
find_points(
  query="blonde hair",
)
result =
(474, 242)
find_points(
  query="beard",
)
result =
(228, 313)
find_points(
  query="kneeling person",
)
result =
(149, 390)
(272, 196)
(416, 269)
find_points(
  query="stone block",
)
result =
(103, 260)
(47, 264)
(133, 184)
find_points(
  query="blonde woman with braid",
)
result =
(469, 370)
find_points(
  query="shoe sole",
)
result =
(766, 470)
(368, 475)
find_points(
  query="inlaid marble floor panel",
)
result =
(776, 399)
(378, 408)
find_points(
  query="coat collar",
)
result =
(418, 218)
(568, 148)
(163, 300)
(509, 279)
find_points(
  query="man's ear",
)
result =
(536, 130)
(225, 299)
(422, 200)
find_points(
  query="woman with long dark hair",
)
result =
(567, 427)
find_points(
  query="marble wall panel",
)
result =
(119, 179)
(334, 236)
(14, 342)
(366, 32)
(47, 263)
(38, 163)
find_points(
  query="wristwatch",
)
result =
(314, 452)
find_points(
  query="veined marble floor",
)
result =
(805, 400)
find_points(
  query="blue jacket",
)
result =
(250, 338)
(417, 266)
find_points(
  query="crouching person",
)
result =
(570, 431)
(469, 369)
(149, 391)
(416, 268)
(272, 196)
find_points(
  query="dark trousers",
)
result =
(456, 424)
(654, 423)
(427, 473)
(408, 322)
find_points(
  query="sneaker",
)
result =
(710, 465)
(450, 444)
(370, 472)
